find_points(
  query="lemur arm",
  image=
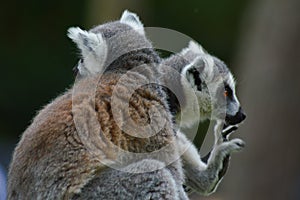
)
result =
(203, 176)
(225, 134)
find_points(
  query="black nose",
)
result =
(242, 113)
(235, 119)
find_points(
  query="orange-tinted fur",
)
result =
(52, 145)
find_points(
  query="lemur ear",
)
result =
(192, 72)
(199, 71)
(196, 47)
(93, 49)
(132, 20)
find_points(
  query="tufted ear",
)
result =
(93, 49)
(132, 20)
(194, 48)
(199, 71)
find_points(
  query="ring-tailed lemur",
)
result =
(213, 82)
(214, 86)
(65, 152)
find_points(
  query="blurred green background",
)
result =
(259, 40)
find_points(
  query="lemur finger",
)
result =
(240, 143)
(232, 146)
(227, 131)
(237, 144)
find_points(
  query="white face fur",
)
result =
(214, 86)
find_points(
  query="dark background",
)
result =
(259, 40)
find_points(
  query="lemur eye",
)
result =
(228, 91)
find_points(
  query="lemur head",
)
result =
(212, 82)
(108, 43)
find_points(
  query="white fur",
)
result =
(234, 105)
(132, 20)
(200, 176)
(193, 47)
(196, 47)
(209, 67)
(211, 79)
(204, 177)
(93, 49)
(190, 89)
(188, 113)
(231, 81)
(188, 151)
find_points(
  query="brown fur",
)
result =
(57, 158)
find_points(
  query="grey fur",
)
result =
(123, 185)
(203, 177)
(62, 154)
(214, 75)
(57, 160)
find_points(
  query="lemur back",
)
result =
(75, 137)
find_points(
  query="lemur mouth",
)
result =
(232, 122)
